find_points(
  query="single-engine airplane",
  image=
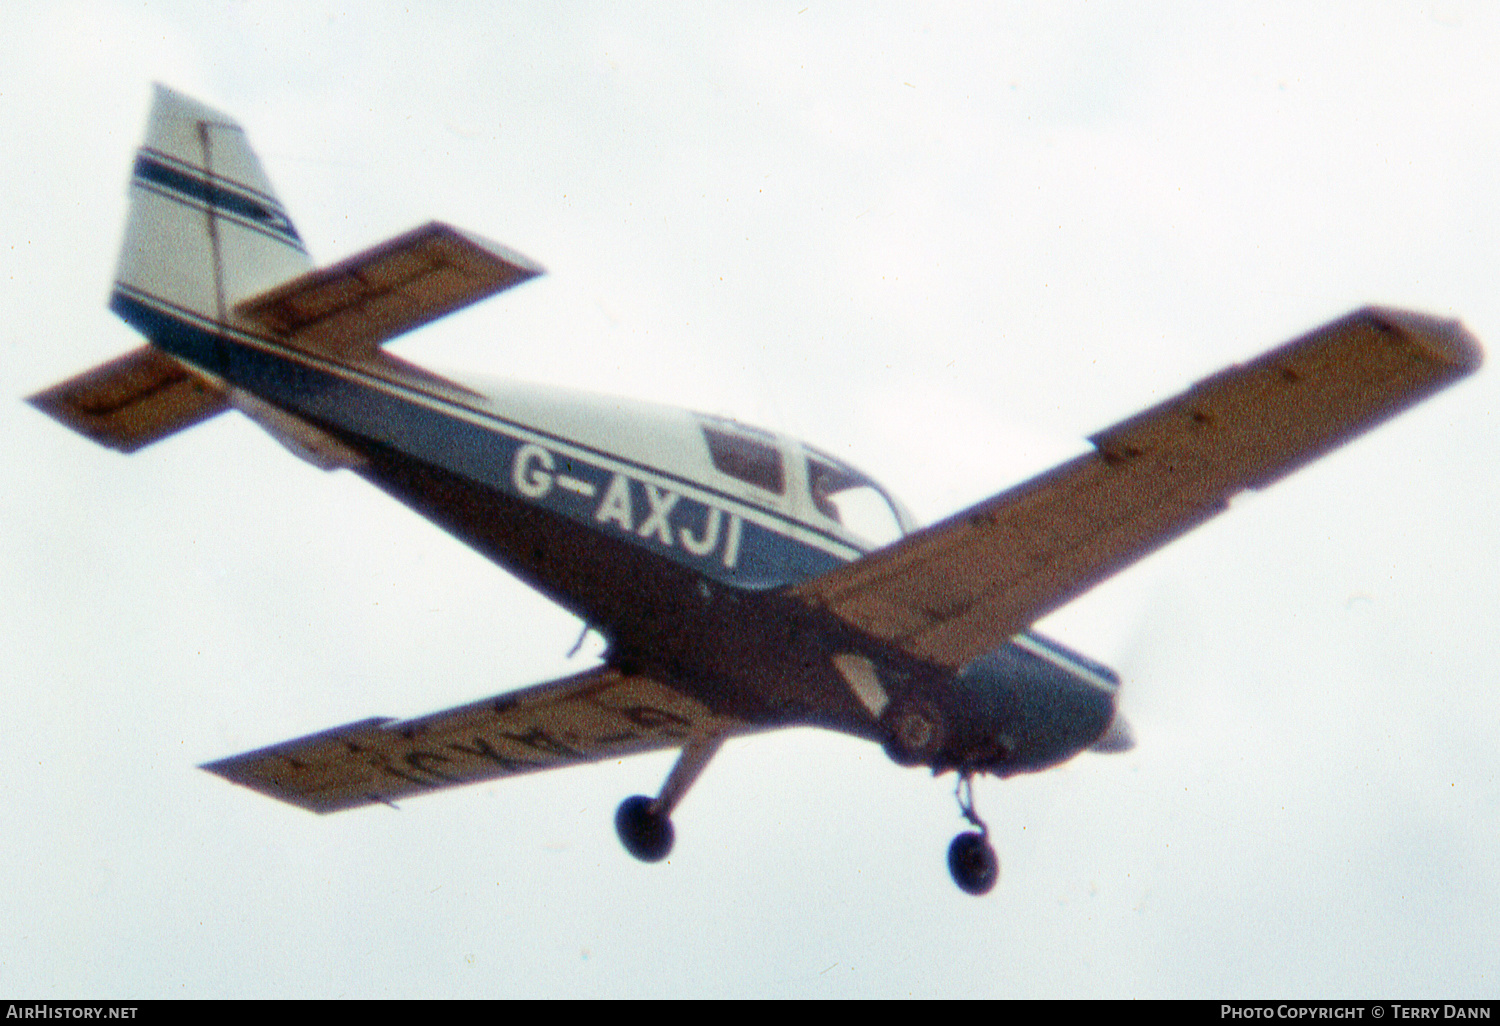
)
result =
(743, 581)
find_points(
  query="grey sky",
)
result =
(942, 244)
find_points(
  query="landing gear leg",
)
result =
(971, 859)
(645, 824)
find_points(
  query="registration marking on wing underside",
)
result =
(596, 715)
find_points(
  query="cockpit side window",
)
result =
(747, 459)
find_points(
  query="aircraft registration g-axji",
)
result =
(741, 578)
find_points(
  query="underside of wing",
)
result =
(962, 587)
(596, 715)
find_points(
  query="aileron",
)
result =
(1261, 420)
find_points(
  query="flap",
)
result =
(963, 587)
(355, 305)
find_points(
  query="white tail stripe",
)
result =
(1072, 666)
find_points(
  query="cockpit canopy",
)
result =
(773, 471)
(809, 481)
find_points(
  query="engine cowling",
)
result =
(1029, 705)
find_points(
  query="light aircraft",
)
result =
(743, 580)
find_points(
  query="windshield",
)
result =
(848, 498)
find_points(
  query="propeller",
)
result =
(1157, 648)
(1117, 737)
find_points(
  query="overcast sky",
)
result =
(945, 244)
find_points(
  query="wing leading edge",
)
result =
(964, 586)
(596, 715)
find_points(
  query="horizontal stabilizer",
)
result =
(132, 401)
(600, 714)
(353, 306)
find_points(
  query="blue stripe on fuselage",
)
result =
(682, 520)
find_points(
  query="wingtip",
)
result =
(1440, 338)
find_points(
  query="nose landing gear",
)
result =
(971, 859)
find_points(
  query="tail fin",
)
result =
(209, 253)
(205, 229)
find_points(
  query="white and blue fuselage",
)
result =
(661, 528)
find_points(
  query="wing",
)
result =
(962, 587)
(601, 714)
(353, 306)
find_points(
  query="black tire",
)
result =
(644, 834)
(973, 863)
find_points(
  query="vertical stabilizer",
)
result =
(205, 229)
(212, 269)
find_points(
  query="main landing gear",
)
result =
(645, 824)
(646, 833)
(971, 859)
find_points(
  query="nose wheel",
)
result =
(971, 858)
(973, 863)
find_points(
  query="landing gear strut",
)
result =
(971, 859)
(645, 824)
